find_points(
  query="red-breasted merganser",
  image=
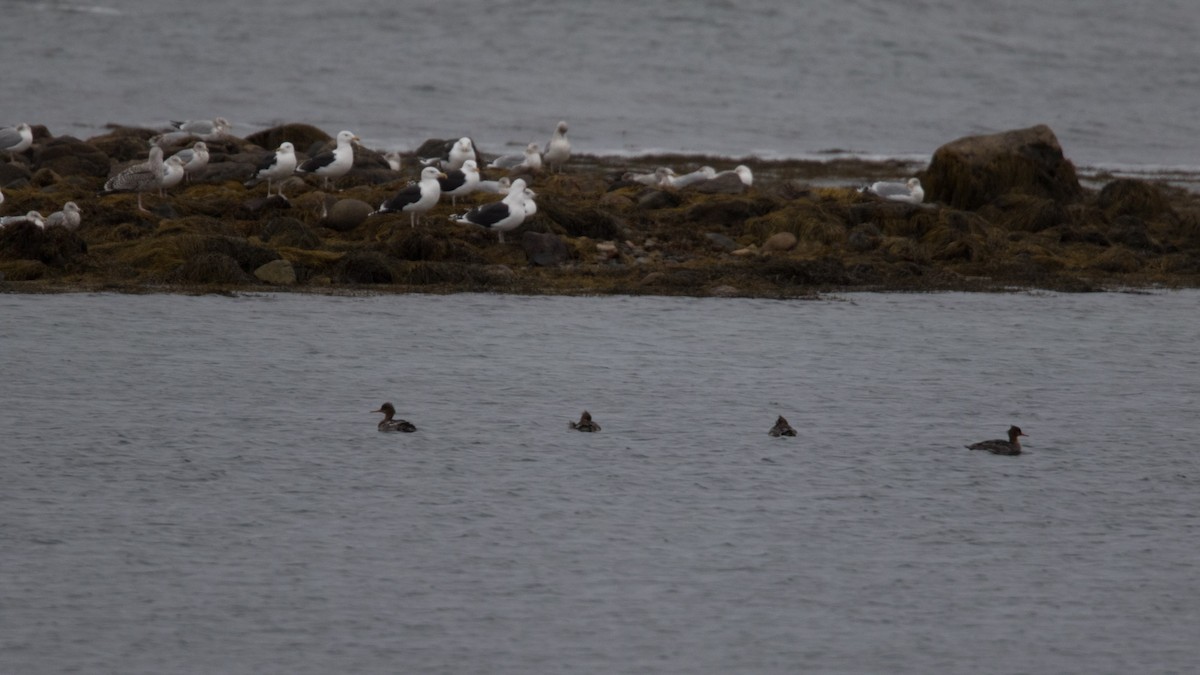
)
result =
(997, 447)
(585, 423)
(782, 428)
(389, 424)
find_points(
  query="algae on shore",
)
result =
(1031, 227)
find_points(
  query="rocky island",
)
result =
(999, 212)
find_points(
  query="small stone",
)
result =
(347, 214)
(779, 242)
(545, 249)
(276, 273)
(725, 291)
(721, 242)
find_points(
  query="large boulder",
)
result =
(973, 171)
(68, 156)
(302, 136)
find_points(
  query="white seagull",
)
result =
(499, 187)
(558, 150)
(69, 217)
(909, 192)
(698, 176)
(741, 171)
(172, 174)
(332, 164)
(463, 150)
(529, 161)
(504, 215)
(416, 198)
(209, 130)
(460, 182)
(31, 217)
(194, 158)
(139, 178)
(275, 167)
(663, 176)
(393, 159)
(16, 139)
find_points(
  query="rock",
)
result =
(864, 237)
(779, 242)
(657, 199)
(365, 267)
(219, 172)
(302, 136)
(727, 184)
(290, 232)
(1136, 198)
(720, 242)
(13, 174)
(277, 273)
(124, 144)
(68, 156)
(347, 214)
(725, 291)
(209, 268)
(973, 171)
(545, 250)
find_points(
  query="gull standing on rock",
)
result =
(909, 192)
(139, 178)
(332, 164)
(16, 139)
(69, 217)
(275, 167)
(194, 158)
(416, 198)
(502, 216)
(558, 150)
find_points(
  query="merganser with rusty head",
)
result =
(782, 428)
(389, 424)
(998, 447)
(585, 423)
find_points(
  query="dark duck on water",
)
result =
(585, 423)
(998, 447)
(389, 424)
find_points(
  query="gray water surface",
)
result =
(1117, 81)
(196, 485)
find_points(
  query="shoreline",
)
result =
(802, 229)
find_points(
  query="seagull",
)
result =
(462, 181)
(393, 160)
(909, 192)
(332, 163)
(529, 161)
(558, 150)
(499, 187)
(502, 216)
(172, 174)
(209, 130)
(1, 196)
(463, 150)
(194, 158)
(30, 217)
(698, 176)
(275, 167)
(661, 177)
(741, 171)
(416, 198)
(16, 139)
(139, 177)
(69, 217)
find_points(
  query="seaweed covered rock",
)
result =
(69, 156)
(302, 136)
(545, 249)
(55, 246)
(209, 268)
(1136, 198)
(973, 171)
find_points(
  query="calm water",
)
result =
(1117, 81)
(195, 485)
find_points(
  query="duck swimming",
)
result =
(997, 447)
(782, 428)
(389, 424)
(585, 423)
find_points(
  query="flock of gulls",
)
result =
(781, 428)
(455, 174)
